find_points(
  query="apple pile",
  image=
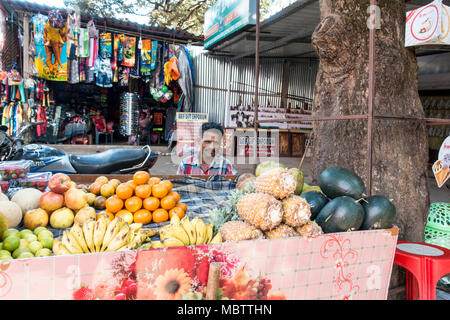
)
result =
(66, 202)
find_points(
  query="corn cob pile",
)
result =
(101, 236)
(272, 211)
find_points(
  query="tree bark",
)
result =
(400, 148)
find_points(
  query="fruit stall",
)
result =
(268, 235)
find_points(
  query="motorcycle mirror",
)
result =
(3, 128)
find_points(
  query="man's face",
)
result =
(210, 143)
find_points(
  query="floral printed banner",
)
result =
(352, 265)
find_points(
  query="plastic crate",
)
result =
(437, 229)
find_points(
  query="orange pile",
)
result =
(143, 200)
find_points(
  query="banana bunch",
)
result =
(101, 236)
(185, 232)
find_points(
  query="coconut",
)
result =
(27, 199)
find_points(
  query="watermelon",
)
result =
(379, 213)
(338, 182)
(340, 215)
(317, 200)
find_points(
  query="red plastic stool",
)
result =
(425, 262)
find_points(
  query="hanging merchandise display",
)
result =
(171, 70)
(83, 42)
(103, 72)
(186, 80)
(50, 37)
(129, 52)
(73, 21)
(146, 58)
(129, 114)
(106, 45)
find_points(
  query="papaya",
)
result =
(340, 215)
(316, 200)
(338, 182)
(380, 213)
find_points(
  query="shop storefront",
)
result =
(72, 72)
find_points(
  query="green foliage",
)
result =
(185, 15)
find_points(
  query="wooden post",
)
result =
(213, 281)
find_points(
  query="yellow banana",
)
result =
(175, 220)
(119, 240)
(200, 229)
(99, 232)
(111, 231)
(59, 249)
(135, 227)
(88, 231)
(137, 240)
(176, 231)
(77, 233)
(70, 243)
(209, 233)
(217, 238)
(157, 244)
(147, 245)
(149, 233)
(172, 242)
(189, 228)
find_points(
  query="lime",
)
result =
(23, 243)
(11, 232)
(11, 243)
(1, 245)
(35, 246)
(25, 255)
(5, 257)
(47, 242)
(45, 234)
(30, 238)
(39, 229)
(24, 232)
(43, 253)
(19, 251)
(3, 252)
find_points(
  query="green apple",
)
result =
(11, 243)
(45, 234)
(35, 246)
(19, 251)
(43, 253)
(5, 257)
(38, 230)
(47, 243)
(30, 238)
(23, 233)
(3, 252)
(11, 232)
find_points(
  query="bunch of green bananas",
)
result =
(102, 235)
(186, 232)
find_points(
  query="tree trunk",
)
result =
(400, 148)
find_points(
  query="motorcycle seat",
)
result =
(107, 161)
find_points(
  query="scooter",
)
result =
(50, 159)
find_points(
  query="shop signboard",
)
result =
(265, 147)
(188, 130)
(441, 168)
(226, 17)
(347, 266)
(428, 25)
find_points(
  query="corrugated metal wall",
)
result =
(211, 81)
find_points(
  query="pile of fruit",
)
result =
(276, 203)
(102, 235)
(185, 232)
(143, 199)
(26, 243)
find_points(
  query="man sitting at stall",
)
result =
(208, 159)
